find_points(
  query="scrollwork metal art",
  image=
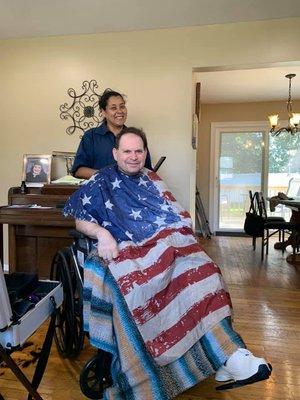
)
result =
(84, 110)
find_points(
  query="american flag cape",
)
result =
(173, 290)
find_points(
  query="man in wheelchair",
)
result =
(152, 297)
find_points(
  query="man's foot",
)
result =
(241, 369)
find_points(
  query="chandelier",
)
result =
(294, 118)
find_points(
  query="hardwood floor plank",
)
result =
(266, 301)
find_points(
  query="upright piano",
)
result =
(36, 227)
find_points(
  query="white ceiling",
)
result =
(36, 18)
(264, 84)
(32, 18)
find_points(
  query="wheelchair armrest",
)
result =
(77, 235)
(81, 242)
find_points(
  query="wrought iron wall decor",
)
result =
(84, 111)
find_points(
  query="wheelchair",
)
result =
(69, 335)
(67, 267)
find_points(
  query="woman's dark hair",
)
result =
(136, 131)
(103, 100)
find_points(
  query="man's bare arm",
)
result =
(107, 245)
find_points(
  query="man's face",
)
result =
(130, 155)
(36, 169)
(115, 112)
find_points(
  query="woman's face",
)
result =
(115, 112)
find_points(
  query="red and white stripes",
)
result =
(174, 291)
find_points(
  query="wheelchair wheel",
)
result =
(69, 335)
(95, 376)
(77, 285)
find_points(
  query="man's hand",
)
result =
(107, 246)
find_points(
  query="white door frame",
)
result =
(215, 134)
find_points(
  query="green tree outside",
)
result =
(245, 150)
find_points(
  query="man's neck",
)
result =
(131, 174)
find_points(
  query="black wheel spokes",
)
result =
(66, 331)
(92, 379)
(95, 376)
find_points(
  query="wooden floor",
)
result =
(266, 300)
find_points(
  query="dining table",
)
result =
(294, 205)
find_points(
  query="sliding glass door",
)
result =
(247, 157)
(240, 170)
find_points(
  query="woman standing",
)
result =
(95, 149)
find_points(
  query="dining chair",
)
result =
(254, 207)
(272, 225)
(261, 211)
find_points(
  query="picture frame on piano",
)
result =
(36, 169)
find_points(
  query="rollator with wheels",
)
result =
(67, 267)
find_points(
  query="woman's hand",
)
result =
(107, 246)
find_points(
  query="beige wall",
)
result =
(154, 68)
(231, 112)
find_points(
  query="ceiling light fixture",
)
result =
(294, 118)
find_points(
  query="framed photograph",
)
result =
(36, 169)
